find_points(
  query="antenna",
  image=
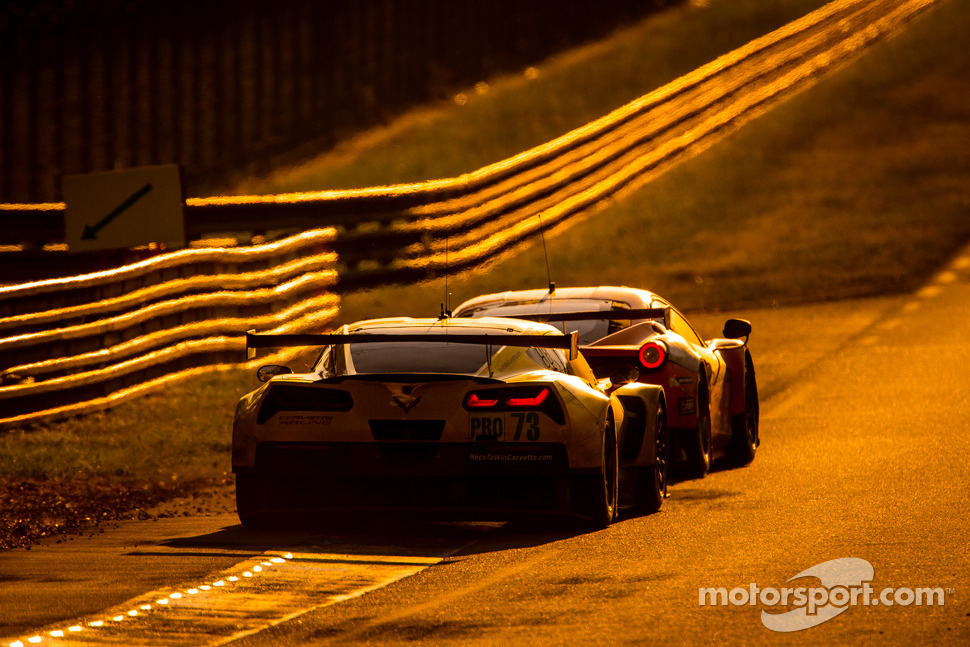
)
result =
(447, 268)
(545, 253)
(446, 305)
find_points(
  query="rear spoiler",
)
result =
(638, 313)
(568, 342)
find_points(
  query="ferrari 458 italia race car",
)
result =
(483, 418)
(710, 385)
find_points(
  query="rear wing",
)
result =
(634, 313)
(568, 342)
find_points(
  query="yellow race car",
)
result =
(486, 418)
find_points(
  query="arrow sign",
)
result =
(108, 210)
(91, 231)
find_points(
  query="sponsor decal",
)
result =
(305, 420)
(508, 457)
(513, 357)
(687, 406)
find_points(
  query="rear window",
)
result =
(420, 357)
(589, 329)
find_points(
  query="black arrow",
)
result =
(91, 231)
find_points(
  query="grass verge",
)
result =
(858, 187)
(66, 476)
(504, 116)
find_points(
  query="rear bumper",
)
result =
(453, 480)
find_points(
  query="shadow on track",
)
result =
(391, 534)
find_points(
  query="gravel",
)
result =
(31, 510)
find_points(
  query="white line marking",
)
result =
(928, 291)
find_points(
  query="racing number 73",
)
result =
(528, 421)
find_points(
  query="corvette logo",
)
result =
(403, 397)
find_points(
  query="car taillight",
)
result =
(517, 398)
(527, 401)
(652, 355)
(475, 402)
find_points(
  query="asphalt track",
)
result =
(865, 455)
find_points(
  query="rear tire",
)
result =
(744, 426)
(697, 441)
(596, 495)
(651, 487)
(251, 500)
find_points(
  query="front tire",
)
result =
(744, 426)
(596, 495)
(697, 443)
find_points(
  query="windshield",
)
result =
(420, 357)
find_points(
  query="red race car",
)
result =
(632, 335)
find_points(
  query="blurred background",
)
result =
(231, 88)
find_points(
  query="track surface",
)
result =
(864, 425)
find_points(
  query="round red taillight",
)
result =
(652, 355)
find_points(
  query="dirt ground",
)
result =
(34, 510)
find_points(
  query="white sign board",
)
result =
(121, 209)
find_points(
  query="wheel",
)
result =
(651, 487)
(744, 426)
(595, 496)
(250, 499)
(697, 442)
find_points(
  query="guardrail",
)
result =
(88, 342)
(409, 233)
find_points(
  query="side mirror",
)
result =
(266, 373)
(737, 329)
(621, 375)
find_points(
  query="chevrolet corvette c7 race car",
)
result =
(484, 418)
(711, 389)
